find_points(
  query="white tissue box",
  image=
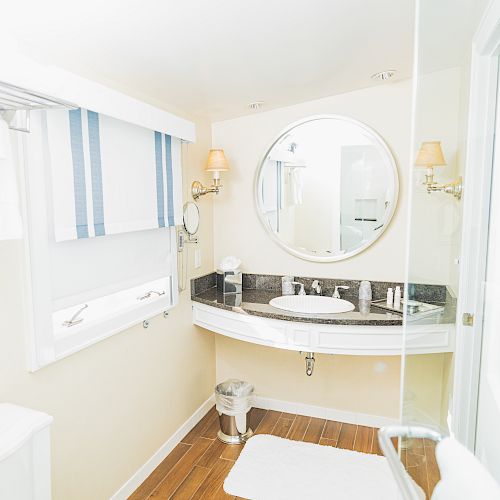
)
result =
(229, 281)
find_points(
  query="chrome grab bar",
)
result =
(405, 484)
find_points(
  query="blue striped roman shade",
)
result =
(110, 176)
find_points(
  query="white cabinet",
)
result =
(325, 338)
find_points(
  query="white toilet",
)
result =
(24, 453)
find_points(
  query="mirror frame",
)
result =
(258, 200)
(184, 217)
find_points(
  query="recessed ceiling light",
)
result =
(384, 75)
(256, 105)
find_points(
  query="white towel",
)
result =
(230, 263)
(463, 477)
(11, 227)
(297, 185)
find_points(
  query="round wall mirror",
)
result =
(327, 188)
(191, 218)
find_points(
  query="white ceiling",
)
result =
(212, 58)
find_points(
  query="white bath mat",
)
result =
(273, 468)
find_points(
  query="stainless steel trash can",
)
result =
(233, 401)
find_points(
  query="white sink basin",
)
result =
(311, 304)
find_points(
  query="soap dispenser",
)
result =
(287, 286)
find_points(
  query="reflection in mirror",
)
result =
(332, 173)
(191, 218)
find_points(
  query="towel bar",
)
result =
(385, 434)
(15, 100)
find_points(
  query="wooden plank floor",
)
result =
(198, 465)
(419, 458)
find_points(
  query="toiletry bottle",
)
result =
(397, 298)
(390, 297)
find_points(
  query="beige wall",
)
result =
(436, 219)
(356, 384)
(115, 403)
(237, 230)
(119, 400)
(435, 247)
(367, 385)
(427, 389)
(340, 382)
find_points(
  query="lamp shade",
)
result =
(430, 154)
(217, 161)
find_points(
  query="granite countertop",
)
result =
(258, 290)
(444, 317)
(256, 303)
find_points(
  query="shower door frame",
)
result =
(479, 164)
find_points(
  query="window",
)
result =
(102, 198)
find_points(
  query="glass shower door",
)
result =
(444, 35)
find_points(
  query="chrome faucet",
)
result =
(336, 294)
(316, 287)
(302, 290)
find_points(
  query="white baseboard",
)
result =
(143, 473)
(321, 412)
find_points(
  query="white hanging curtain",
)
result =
(11, 226)
(110, 176)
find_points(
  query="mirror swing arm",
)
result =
(191, 239)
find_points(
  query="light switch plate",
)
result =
(197, 258)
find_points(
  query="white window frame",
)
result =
(17, 69)
(44, 345)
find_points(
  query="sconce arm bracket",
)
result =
(198, 189)
(454, 188)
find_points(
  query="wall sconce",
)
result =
(216, 163)
(429, 156)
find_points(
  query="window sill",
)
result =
(104, 317)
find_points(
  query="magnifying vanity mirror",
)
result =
(191, 218)
(330, 172)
